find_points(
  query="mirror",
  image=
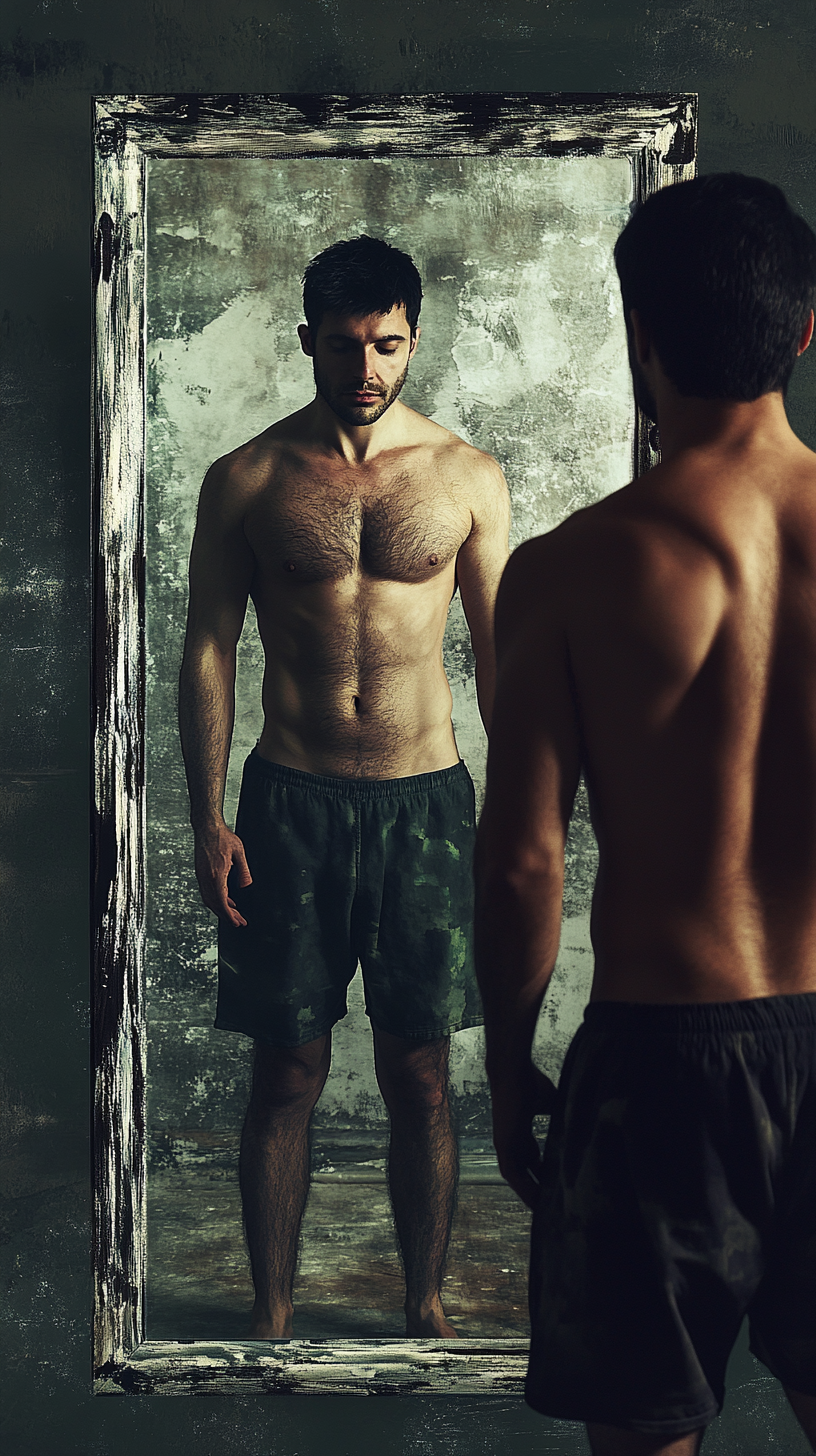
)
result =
(510, 207)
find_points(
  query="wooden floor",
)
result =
(349, 1282)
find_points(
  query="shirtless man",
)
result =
(350, 524)
(663, 642)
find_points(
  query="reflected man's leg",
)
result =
(274, 1173)
(422, 1170)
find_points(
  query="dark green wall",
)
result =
(753, 64)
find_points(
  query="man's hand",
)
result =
(515, 1104)
(216, 851)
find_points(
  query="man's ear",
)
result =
(414, 341)
(807, 335)
(305, 336)
(641, 337)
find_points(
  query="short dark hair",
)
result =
(361, 276)
(723, 273)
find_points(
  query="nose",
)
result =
(368, 364)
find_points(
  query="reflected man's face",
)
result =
(360, 364)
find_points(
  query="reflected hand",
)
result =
(516, 1102)
(216, 851)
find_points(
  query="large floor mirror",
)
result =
(208, 210)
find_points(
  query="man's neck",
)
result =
(357, 444)
(728, 425)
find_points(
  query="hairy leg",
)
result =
(274, 1174)
(612, 1441)
(422, 1170)
(804, 1408)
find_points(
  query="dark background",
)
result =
(753, 65)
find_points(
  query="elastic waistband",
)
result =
(344, 788)
(763, 1013)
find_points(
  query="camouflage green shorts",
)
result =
(375, 871)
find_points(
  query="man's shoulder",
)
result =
(252, 466)
(640, 555)
(632, 514)
(564, 544)
(464, 466)
(547, 572)
(461, 452)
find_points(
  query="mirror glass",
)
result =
(523, 354)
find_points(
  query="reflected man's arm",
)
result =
(221, 565)
(533, 769)
(479, 565)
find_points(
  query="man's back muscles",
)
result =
(690, 630)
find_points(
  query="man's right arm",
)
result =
(533, 767)
(221, 566)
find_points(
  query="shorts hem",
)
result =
(676, 1426)
(433, 1033)
(220, 1024)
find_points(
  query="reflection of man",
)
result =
(664, 641)
(350, 524)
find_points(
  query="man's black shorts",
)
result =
(345, 870)
(678, 1194)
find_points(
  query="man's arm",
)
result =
(479, 565)
(221, 565)
(533, 768)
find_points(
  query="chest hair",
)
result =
(408, 534)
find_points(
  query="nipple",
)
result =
(290, 566)
(433, 560)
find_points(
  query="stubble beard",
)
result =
(357, 414)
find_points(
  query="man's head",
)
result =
(722, 273)
(361, 298)
(361, 276)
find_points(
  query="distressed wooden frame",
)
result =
(658, 135)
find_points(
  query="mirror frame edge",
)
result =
(658, 134)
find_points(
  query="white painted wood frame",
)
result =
(658, 135)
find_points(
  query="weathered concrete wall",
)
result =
(522, 353)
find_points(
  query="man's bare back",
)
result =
(686, 611)
(663, 642)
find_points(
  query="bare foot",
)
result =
(429, 1322)
(267, 1324)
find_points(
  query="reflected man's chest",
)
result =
(407, 533)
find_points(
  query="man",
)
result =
(350, 523)
(663, 642)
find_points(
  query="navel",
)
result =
(355, 703)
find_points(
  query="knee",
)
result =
(289, 1078)
(415, 1083)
